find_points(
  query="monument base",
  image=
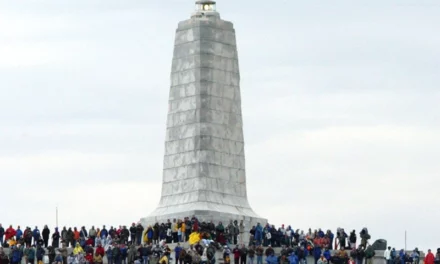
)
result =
(161, 215)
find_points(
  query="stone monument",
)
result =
(204, 164)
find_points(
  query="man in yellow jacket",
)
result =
(164, 259)
(183, 229)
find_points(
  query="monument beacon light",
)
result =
(205, 6)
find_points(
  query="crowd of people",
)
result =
(149, 245)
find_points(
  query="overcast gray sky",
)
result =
(340, 103)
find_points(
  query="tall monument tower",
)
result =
(204, 164)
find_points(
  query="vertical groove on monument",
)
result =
(204, 163)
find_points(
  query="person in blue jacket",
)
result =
(258, 234)
(317, 253)
(40, 253)
(327, 255)
(150, 234)
(177, 251)
(109, 254)
(17, 255)
(272, 259)
(402, 256)
(18, 234)
(331, 236)
(36, 235)
(293, 258)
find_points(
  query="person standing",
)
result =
(258, 237)
(46, 233)
(139, 232)
(92, 234)
(116, 254)
(29, 253)
(251, 254)
(415, 256)
(19, 233)
(63, 252)
(75, 237)
(83, 234)
(64, 236)
(387, 255)
(429, 259)
(2, 233)
(259, 252)
(232, 231)
(9, 233)
(143, 253)
(177, 251)
(109, 254)
(125, 234)
(27, 236)
(16, 255)
(174, 231)
(133, 233)
(236, 253)
(241, 229)
(124, 252)
(56, 238)
(70, 238)
(352, 239)
(243, 254)
(226, 255)
(40, 254)
(3, 257)
(36, 235)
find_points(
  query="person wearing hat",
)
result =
(226, 255)
(56, 238)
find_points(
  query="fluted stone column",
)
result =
(204, 165)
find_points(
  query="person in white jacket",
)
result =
(387, 255)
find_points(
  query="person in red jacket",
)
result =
(89, 258)
(100, 250)
(10, 233)
(89, 242)
(429, 259)
(236, 253)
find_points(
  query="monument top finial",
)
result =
(205, 5)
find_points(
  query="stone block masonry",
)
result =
(204, 164)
